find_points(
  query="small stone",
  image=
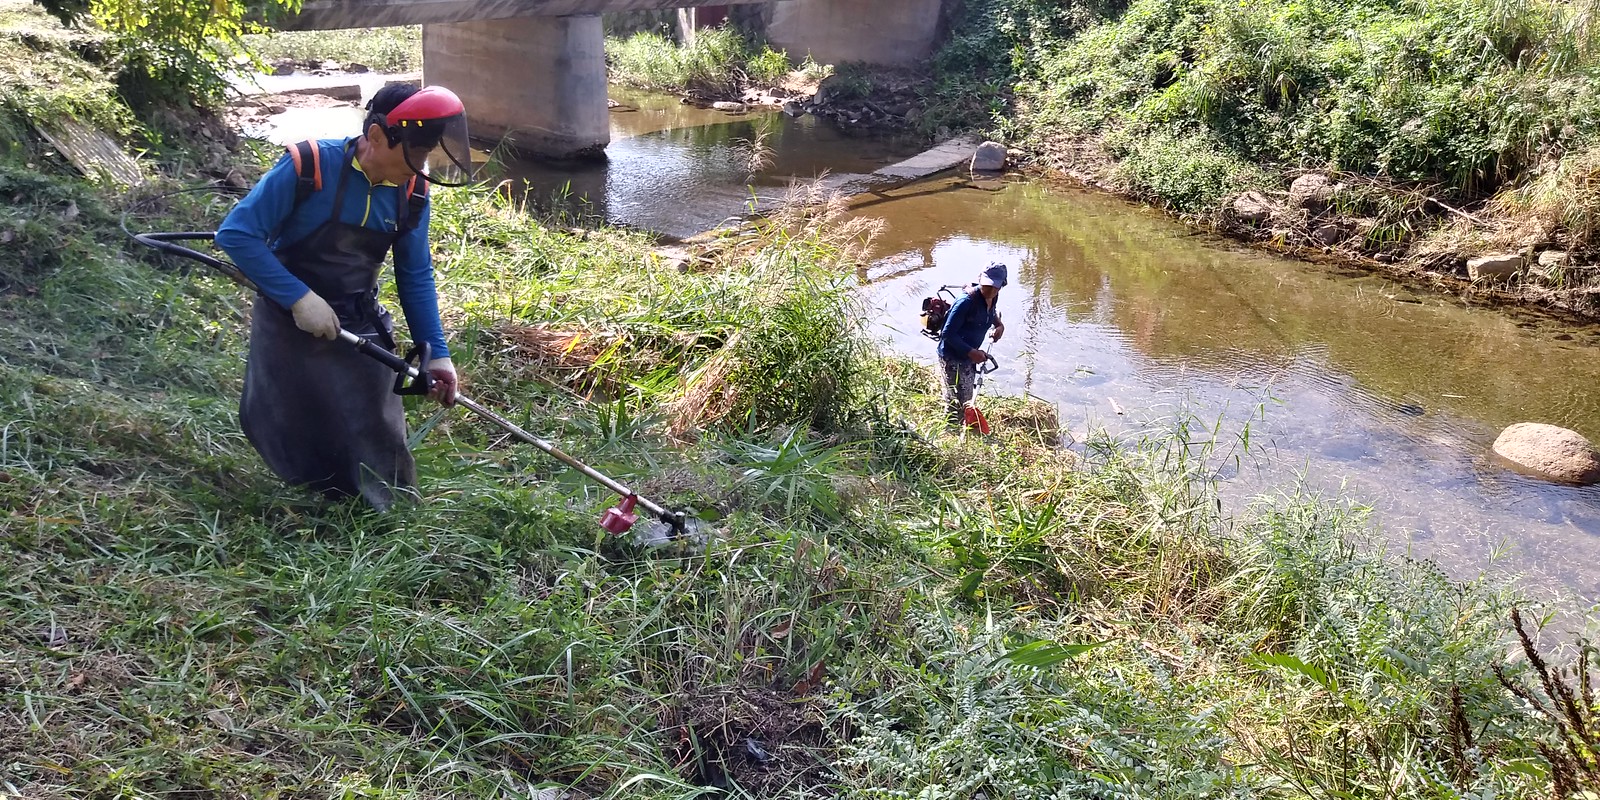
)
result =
(793, 108)
(1549, 452)
(357, 69)
(1329, 234)
(1553, 258)
(1253, 208)
(283, 68)
(1494, 267)
(990, 157)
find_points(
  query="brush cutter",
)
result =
(971, 416)
(410, 379)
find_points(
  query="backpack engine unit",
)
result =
(936, 309)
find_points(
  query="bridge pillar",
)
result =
(536, 83)
(887, 32)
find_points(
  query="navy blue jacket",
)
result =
(268, 219)
(969, 321)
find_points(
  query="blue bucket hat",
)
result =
(994, 275)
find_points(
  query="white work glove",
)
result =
(444, 380)
(313, 315)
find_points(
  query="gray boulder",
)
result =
(1330, 234)
(1253, 208)
(1553, 258)
(1549, 452)
(1495, 267)
(990, 157)
(1313, 192)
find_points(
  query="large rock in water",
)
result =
(991, 157)
(1549, 452)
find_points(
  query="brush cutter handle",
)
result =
(988, 366)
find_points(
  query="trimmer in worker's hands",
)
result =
(411, 379)
(972, 416)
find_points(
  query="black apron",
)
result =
(319, 413)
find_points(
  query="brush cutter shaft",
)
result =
(398, 364)
(377, 352)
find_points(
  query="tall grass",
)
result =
(396, 49)
(718, 60)
(879, 612)
(1466, 95)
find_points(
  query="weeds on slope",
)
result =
(885, 610)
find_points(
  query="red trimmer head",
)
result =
(973, 418)
(620, 519)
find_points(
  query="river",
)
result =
(1346, 384)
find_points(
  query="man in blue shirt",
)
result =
(961, 340)
(313, 235)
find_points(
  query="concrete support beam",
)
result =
(539, 84)
(888, 32)
(688, 25)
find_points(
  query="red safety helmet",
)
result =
(432, 119)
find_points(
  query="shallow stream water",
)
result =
(1346, 384)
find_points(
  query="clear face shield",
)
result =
(444, 143)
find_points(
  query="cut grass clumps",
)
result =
(49, 72)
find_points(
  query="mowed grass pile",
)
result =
(881, 610)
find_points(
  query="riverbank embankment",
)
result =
(883, 609)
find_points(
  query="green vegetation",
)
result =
(169, 52)
(883, 610)
(719, 60)
(1189, 103)
(397, 49)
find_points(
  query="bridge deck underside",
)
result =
(329, 14)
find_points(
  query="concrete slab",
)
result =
(948, 155)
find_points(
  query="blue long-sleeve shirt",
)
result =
(267, 220)
(969, 321)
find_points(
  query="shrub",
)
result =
(719, 60)
(172, 49)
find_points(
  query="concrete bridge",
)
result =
(533, 72)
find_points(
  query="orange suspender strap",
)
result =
(412, 202)
(307, 181)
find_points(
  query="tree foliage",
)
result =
(173, 49)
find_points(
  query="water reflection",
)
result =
(1371, 391)
(680, 170)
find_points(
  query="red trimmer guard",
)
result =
(620, 519)
(973, 418)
